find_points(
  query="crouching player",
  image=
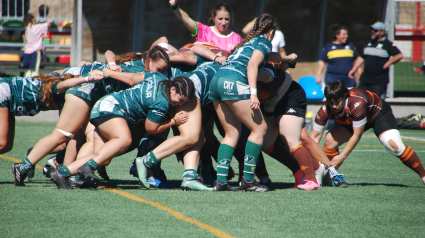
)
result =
(355, 111)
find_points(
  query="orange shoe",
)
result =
(419, 70)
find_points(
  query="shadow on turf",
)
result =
(379, 184)
(135, 184)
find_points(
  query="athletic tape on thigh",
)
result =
(66, 134)
(393, 135)
(89, 133)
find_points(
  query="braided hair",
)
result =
(184, 86)
(263, 24)
(45, 90)
(154, 54)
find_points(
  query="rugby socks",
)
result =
(332, 171)
(252, 151)
(411, 160)
(305, 161)
(91, 163)
(331, 153)
(224, 157)
(190, 174)
(65, 171)
(281, 153)
(150, 160)
(26, 166)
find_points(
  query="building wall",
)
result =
(111, 23)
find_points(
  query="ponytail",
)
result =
(262, 25)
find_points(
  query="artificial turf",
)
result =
(385, 199)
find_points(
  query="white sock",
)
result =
(423, 179)
(332, 171)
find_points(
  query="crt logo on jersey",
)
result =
(228, 85)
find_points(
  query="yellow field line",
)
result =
(174, 213)
(18, 161)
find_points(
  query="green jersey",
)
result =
(180, 68)
(21, 95)
(146, 100)
(235, 67)
(85, 69)
(201, 77)
(136, 66)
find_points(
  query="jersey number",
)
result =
(238, 52)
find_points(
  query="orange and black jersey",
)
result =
(360, 108)
(268, 90)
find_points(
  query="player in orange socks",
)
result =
(355, 111)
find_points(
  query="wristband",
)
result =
(175, 122)
(253, 91)
(215, 58)
(112, 63)
(175, 7)
(87, 79)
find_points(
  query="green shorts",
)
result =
(107, 106)
(88, 91)
(223, 89)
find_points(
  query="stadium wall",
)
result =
(111, 23)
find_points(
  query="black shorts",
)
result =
(294, 102)
(99, 120)
(383, 122)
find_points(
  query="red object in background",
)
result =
(48, 35)
(417, 36)
(63, 59)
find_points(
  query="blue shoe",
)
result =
(339, 181)
(159, 183)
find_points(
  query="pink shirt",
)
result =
(206, 34)
(34, 35)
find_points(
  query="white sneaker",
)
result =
(320, 173)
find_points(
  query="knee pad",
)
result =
(66, 134)
(393, 135)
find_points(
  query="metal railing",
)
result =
(16, 10)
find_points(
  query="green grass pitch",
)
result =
(385, 199)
